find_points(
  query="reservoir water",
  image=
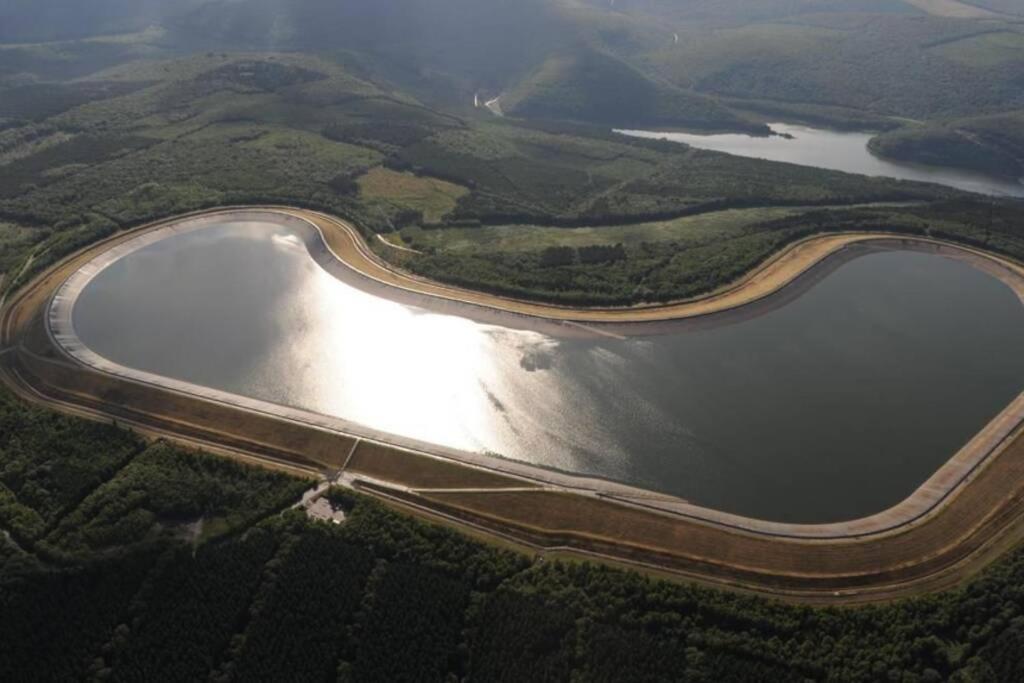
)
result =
(838, 151)
(834, 405)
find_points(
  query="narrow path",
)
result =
(495, 106)
(73, 506)
(11, 540)
(594, 330)
(4, 279)
(399, 247)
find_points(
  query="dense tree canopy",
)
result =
(384, 597)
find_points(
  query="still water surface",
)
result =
(838, 151)
(835, 405)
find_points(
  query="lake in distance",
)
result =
(833, 406)
(837, 151)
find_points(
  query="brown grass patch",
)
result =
(421, 471)
(433, 197)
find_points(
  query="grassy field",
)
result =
(419, 471)
(994, 49)
(432, 198)
(671, 260)
(688, 231)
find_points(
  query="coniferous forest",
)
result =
(111, 577)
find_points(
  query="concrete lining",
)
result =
(927, 500)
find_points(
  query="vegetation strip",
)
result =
(776, 273)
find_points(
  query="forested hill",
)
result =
(991, 144)
(887, 58)
(598, 87)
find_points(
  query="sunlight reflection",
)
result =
(765, 416)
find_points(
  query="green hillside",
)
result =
(906, 66)
(990, 144)
(632, 62)
(471, 43)
(597, 87)
(152, 138)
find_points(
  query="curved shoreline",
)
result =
(769, 280)
(779, 272)
(775, 273)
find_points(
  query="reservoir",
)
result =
(837, 151)
(834, 403)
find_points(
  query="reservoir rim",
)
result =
(930, 497)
